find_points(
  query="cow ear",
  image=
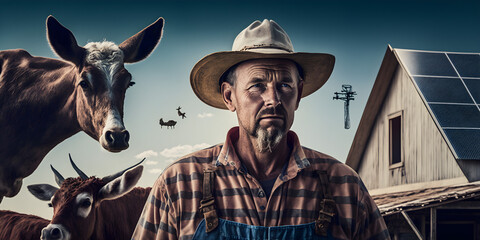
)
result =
(140, 45)
(120, 185)
(63, 42)
(43, 192)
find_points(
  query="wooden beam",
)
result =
(472, 205)
(433, 223)
(412, 225)
(418, 186)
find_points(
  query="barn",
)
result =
(417, 146)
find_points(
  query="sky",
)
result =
(357, 33)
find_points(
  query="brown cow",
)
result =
(93, 208)
(44, 101)
(19, 226)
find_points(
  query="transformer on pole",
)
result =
(346, 95)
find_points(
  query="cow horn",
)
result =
(80, 173)
(58, 177)
(107, 179)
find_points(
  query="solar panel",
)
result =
(450, 84)
(437, 89)
(427, 63)
(465, 142)
(467, 65)
(456, 116)
(474, 86)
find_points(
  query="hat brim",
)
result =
(205, 75)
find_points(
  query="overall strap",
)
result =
(207, 204)
(327, 207)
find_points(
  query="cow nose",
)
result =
(52, 233)
(55, 233)
(117, 139)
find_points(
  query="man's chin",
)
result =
(268, 139)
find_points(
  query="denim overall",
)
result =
(212, 227)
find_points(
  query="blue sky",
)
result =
(356, 32)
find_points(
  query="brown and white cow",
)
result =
(19, 226)
(93, 208)
(44, 101)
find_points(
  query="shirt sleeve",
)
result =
(370, 225)
(157, 220)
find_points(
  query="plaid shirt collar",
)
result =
(296, 163)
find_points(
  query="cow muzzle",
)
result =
(55, 232)
(115, 140)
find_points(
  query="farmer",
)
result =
(261, 183)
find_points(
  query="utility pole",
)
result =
(346, 95)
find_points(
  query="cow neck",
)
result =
(111, 214)
(46, 119)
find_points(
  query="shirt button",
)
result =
(261, 194)
(262, 207)
(232, 163)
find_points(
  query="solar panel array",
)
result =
(450, 84)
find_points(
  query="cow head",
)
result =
(101, 79)
(74, 203)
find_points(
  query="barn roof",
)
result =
(391, 203)
(449, 86)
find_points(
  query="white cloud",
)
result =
(146, 154)
(205, 115)
(156, 170)
(150, 162)
(182, 150)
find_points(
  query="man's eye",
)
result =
(286, 85)
(257, 86)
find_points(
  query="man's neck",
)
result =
(261, 165)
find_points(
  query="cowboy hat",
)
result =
(260, 40)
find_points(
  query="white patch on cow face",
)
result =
(107, 57)
(114, 121)
(84, 202)
(55, 231)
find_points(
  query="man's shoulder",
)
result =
(193, 163)
(323, 162)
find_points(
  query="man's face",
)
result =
(265, 95)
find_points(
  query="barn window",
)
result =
(395, 139)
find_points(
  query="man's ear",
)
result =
(227, 91)
(300, 91)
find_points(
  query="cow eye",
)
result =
(50, 205)
(84, 84)
(86, 203)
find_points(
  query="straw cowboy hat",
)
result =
(259, 40)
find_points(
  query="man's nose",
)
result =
(271, 97)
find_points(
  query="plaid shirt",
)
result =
(172, 210)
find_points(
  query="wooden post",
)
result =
(422, 226)
(412, 225)
(433, 223)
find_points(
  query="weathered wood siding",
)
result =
(426, 156)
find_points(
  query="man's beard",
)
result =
(267, 140)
